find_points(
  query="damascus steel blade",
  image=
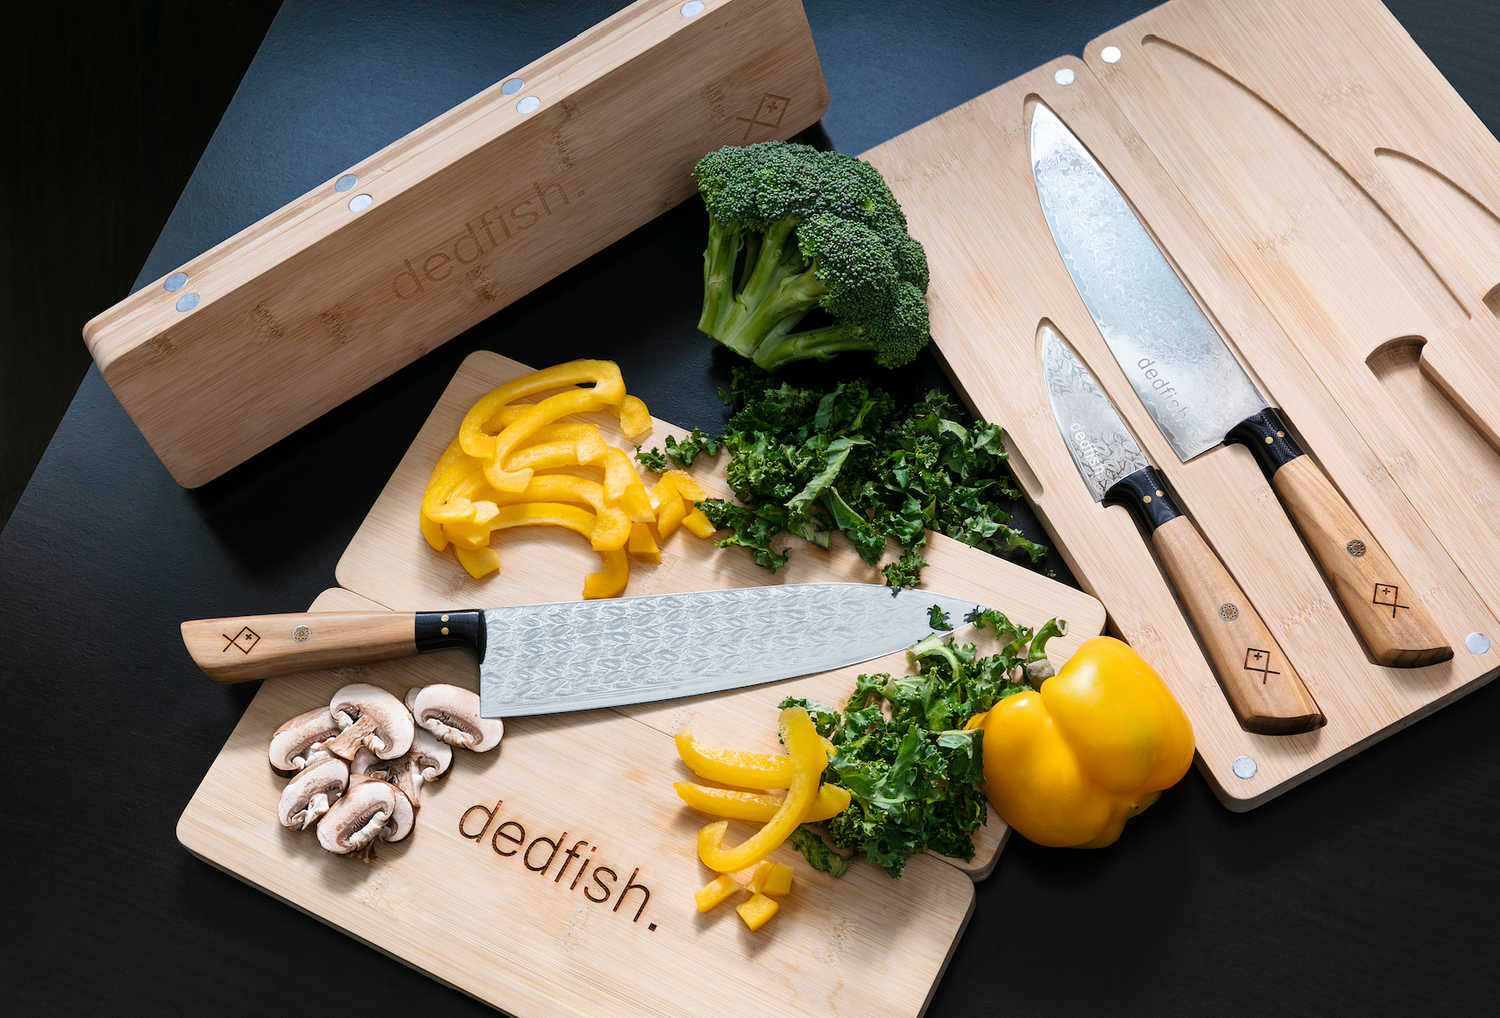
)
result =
(1102, 447)
(578, 655)
(1189, 381)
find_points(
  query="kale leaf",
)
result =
(811, 463)
(912, 769)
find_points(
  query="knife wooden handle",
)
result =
(260, 646)
(1395, 625)
(1265, 692)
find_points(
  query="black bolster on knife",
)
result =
(441, 630)
(1266, 436)
(1145, 495)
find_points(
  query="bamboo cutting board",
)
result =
(388, 561)
(614, 933)
(287, 319)
(521, 932)
(1238, 132)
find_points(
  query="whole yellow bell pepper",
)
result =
(1067, 766)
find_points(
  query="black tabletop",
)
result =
(1370, 890)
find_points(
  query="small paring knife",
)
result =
(1265, 692)
(578, 655)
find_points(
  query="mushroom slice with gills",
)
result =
(293, 744)
(403, 818)
(452, 714)
(311, 794)
(430, 756)
(369, 716)
(357, 819)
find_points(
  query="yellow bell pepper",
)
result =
(809, 758)
(1068, 765)
(738, 767)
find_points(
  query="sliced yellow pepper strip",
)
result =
(606, 583)
(523, 428)
(683, 483)
(717, 889)
(623, 487)
(733, 766)
(609, 389)
(809, 758)
(455, 481)
(611, 581)
(478, 563)
(635, 419)
(758, 910)
(612, 526)
(741, 805)
(562, 445)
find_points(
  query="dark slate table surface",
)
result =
(1370, 890)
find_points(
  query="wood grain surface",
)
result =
(1200, 157)
(321, 299)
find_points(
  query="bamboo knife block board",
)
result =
(287, 319)
(1333, 205)
(528, 940)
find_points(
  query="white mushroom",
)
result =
(452, 714)
(291, 744)
(357, 819)
(427, 760)
(430, 756)
(310, 794)
(403, 817)
(369, 716)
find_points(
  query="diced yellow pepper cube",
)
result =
(717, 889)
(699, 524)
(642, 545)
(758, 911)
(778, 881)
(757, 882)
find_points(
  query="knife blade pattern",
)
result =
(579, 655)
(1175, 360)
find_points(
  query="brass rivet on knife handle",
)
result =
(260, 646)
(1265, 692)
(1394, 623)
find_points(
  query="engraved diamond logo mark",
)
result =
(768, 114)
(1387, 595)
(244, 641)
(1259, 661)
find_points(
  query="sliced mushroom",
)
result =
(369, 716)
(430, 756)
(358, 818)
(310, 794)
(452, 714)
(403, 818)
(291, 744)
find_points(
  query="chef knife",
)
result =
(1199, 395)
(577, 655)
(1263, 689)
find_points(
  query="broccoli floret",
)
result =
(808, 229)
